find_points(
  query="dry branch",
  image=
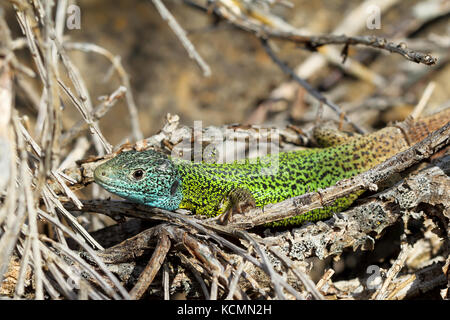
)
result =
(265, 29)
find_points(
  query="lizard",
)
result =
(212, 189)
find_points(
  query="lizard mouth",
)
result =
(101, 177)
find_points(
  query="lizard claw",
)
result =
(238, 201)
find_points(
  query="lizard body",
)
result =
(155, 179)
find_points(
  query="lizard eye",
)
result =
(138, 174)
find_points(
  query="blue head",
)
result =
(147, 177)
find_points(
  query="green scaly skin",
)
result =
(205, 188)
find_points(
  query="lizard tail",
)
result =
(416, 130)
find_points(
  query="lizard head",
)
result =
(147, 177)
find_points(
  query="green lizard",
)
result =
(157, 180)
